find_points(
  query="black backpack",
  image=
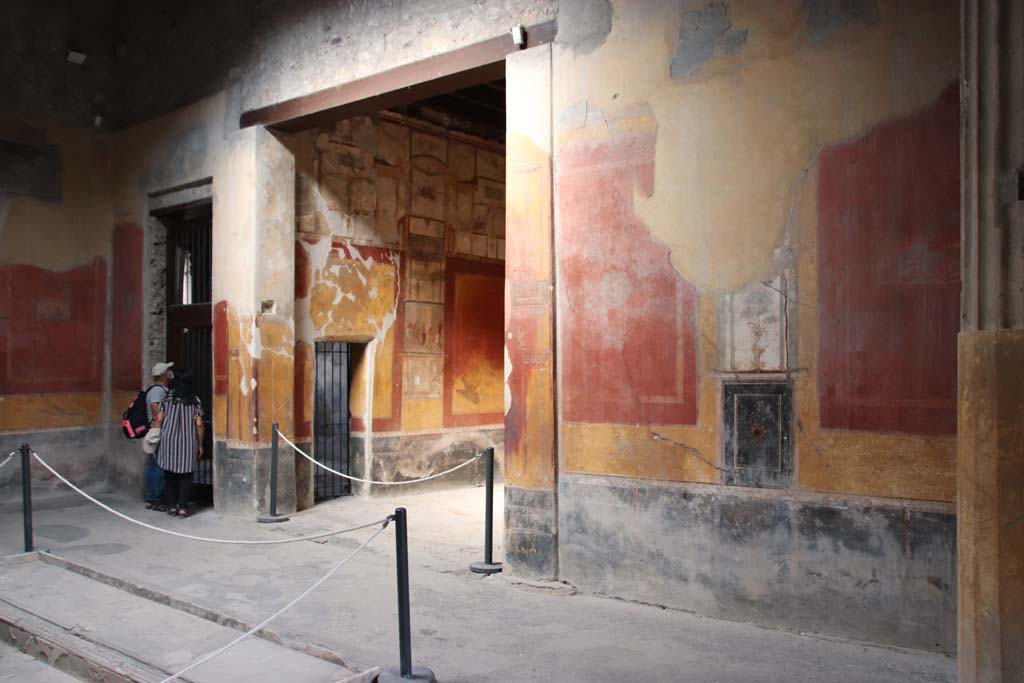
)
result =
(135, 421)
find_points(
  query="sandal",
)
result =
(160, 507)
(183, 512)
(150, 505)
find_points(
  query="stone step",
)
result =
(18, 667)
(102, 629)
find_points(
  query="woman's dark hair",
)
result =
(183, 386)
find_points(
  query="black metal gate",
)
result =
(195, 351)
(189, 314)
(331, 420)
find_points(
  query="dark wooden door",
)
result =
(331, 420)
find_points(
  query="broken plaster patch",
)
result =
(825, 18)
(584, 25)
(703, 33)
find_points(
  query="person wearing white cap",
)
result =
(154, 476)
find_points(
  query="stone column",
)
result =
(990, 430)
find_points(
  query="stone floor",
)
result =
(465, 627)
(17, 667)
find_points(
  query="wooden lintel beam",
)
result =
(467, 66)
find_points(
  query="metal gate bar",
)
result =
(331, 420)
(196, 353)
(189, 321)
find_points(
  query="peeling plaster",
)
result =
(584, 24)
(703, 33)
(722, 209)
(508, 374)
(367, 315)
(825, 18)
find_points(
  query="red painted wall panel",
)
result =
(52, 328)
(220, 348)
(889, 275)
(302, 392)
(302, 271)
(474, 337)
(629, 320)
(126, 344)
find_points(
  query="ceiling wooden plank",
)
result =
(481, 97)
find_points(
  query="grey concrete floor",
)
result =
(465, 627)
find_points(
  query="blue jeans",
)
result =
(154, 481)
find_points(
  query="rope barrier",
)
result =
(204, 539)
(308, 457)
(281, 611)
(8, 458)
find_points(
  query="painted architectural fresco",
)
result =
(474, 383)
(55, 329)
(52, 335)
(630, 319)
(889, 275)
(384, 206)
(56, 239)
(701, 153)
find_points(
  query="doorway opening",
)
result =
(400, 245)
(189, 323)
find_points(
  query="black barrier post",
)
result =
(26, 494)
(406, 672)
(488, 566)
(273, 516)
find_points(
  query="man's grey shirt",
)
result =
(155, 394)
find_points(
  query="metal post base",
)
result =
(271, 519)
(485, 567)
(419, 673)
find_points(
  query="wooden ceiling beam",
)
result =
(477, 102)
(475, 64)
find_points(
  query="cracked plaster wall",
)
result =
(712, 145)
(695, 150)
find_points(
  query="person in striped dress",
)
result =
(181, 442)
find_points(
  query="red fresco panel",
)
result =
(220, 348)
(889, 275)
(303, 355)
(629, 318)
(302, 271)
(52, 328)
(126, 342)
(474, 336)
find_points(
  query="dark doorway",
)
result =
(331, 420)
(189, 315)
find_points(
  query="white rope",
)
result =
(279, 612)
(205, 539)
(8, 458)
(308, 457)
